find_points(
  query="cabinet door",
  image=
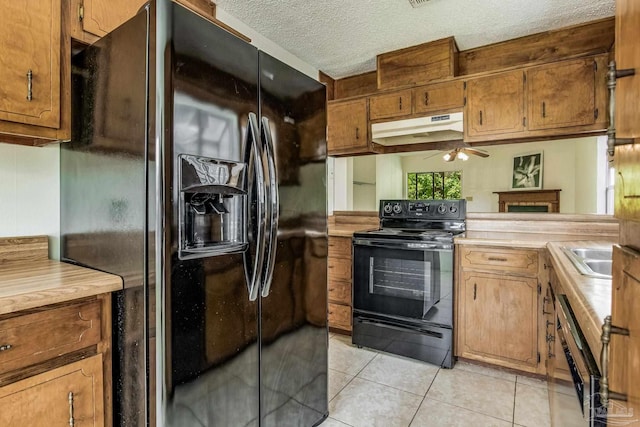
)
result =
(495, 104)
(100, 17)
(627, 188)
(499, 319)
(389, 105)
(30, 72)
(438, 97)
(69, 395)
(562, 94)
(347, 126)
(627, 53)
(624, 351)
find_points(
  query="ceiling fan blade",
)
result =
(452, 156)
(475, 152)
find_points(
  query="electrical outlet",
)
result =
(469, 198)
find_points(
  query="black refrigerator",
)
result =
(197, 172)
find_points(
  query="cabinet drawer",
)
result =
(340, 316)
(500, 259)
(69, 395)
(36, 337)
(340, 291)
(340, 247)
(339, 269)
(438, 97)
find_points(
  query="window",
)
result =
(434, 185)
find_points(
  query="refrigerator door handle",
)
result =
(253, 151)
(273, 202)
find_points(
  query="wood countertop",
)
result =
(590, 298)
(28, 279)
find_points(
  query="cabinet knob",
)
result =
(5, 347)
(29, 85)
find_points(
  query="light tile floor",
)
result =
(369, 388)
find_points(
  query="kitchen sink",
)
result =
(591, 262)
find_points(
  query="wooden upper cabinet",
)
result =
(627, 54)
(495, 104)
(438, 97)
(100, 17)
(347, 127)
(562, 94)
(396, 104)
(30, 34)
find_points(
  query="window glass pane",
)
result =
(411, 186)
(439, 185)
(453, 185)
(434, 185)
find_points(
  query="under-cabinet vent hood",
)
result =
(445, 127)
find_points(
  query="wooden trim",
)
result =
(104, 347)
(329, 82)
(357, 85)
(31, 248)
(548, 198)
(578, 40)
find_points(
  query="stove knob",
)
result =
(387, 208)
(397, 208)
(442, 209)
(453, 209)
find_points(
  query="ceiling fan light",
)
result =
(462, 156)
(446, 157)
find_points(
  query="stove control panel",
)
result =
(423, 209)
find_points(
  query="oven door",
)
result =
(398, 278)
(582, 366)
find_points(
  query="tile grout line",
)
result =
(470, 410)
(424, 397)
(515, 394)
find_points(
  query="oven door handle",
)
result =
(413, 246)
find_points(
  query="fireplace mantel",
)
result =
(529, 201)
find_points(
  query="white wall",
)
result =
(389, 178)
(29, 176)
(364, 183)
(570, 165)
(30, 192)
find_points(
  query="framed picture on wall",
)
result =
(527, 172)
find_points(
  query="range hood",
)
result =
(445, 127)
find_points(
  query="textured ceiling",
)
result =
(343, 37)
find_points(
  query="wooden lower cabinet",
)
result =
(499, 319)
(498, 301)
(339, 264)
(69, 395)
(55, 365)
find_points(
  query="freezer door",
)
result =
(211, 347)
(293, 369)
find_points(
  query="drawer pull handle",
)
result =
(605, 393)
(72, 422)
(357, 133)
(5, 347)
(400, 103)
(475, 290)
(497, 259)
(29, 85)
(426, 98)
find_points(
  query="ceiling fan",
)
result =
(462, 153)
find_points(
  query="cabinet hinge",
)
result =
(464, 102)
(524, 121)
(464, 85)
(539, 289)
(595, 66)
(538, 357)
(595, 114)
(524, 78)
(81, 12)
